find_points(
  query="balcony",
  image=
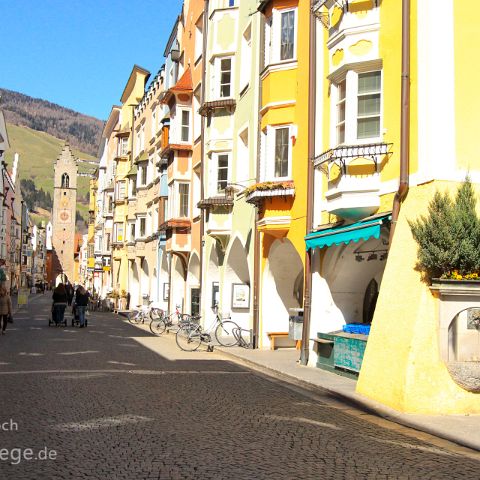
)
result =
(353, 175)
(208, 108)
(258, 192)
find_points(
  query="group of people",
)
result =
(64, 295)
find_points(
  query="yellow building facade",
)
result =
(280, 193)
(361, 271)
(132, 94)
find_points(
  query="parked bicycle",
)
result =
(140, 314)
(191, 335)
(161, 321)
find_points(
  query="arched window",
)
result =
(65, 181)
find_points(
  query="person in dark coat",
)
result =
(5, 308)
(70, 292)
(60, 300)
(81, 302)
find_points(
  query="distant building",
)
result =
(64, 208)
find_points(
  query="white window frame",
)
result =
(351, 109)
(122, 146)
(179, 205)
(216, 159)
(119, 226)
(120, 190)
(142, 172)
(180, 112)
(218, 75)
(268, 145)
(273, 36)
(138, 228)
(131, 235)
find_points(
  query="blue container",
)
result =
(357, 328)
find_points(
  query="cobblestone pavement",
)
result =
(110, 407)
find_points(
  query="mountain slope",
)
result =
(38, 152)
(81, 131)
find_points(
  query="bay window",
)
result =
(358, 107)
(276, 156)
(287, 35)
(281, 36)
(225, 77)
(120, 190)
(183, 201)
(282, 143)
(118, 232)
(122, 146)
(223, 160)
(185, 126)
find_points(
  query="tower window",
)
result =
(65, 181)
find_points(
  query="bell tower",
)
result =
(64, 210)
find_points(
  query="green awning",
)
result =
(347, 233)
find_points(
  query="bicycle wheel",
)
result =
(188, 339)
(225, 334)
(157, 326)
(135, 317)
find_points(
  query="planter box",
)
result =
(455, 287)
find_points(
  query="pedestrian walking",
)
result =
(70, 292)
(81, 302)
(60, 300)
(5, 308)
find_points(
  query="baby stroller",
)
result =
(51, 320)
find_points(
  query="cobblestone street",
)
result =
(113, 408)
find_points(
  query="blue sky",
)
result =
(79, 53)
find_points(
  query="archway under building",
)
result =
(177, 286)
(193, 285)
(236, 292)
(212, 287)
(282, 288)
(144, 282)
(134, 285)
(345, 281)
(164, 280)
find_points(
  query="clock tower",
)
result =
(64, 210)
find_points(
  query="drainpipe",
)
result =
(405, 119)
(256, 244)
(312, 78)
(202, 146)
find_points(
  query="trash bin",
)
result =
(295, 323)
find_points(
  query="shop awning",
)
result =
(347, 233)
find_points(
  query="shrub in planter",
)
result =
(449, 236)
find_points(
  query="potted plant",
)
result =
(114, 296)
(449, 237)
(449, 255)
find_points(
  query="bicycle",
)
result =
(164, 322)
(191, 335)
(140, 315)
